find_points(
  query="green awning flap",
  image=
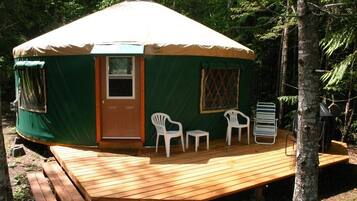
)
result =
(29, 64)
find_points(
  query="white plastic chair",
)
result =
(159, 120)
(232, 117)
(265, 124)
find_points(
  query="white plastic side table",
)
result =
(197, 134)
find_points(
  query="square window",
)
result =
(219, 89)
(32, 89)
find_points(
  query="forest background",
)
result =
(269, 27)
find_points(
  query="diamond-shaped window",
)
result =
(219, 90)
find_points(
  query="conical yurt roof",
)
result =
(160, 30)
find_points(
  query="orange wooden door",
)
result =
(120, 98)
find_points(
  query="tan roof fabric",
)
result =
(161, 30)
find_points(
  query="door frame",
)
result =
(99, 63)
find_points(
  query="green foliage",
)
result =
(265, 18)
(289, 119)
(106, 3)
(333, 78)
(339, 44)
(290, 100)
(354, 128)
(22, 189)
(342, 38)
(258, 24)
(273, 33)
(212, 13)
(351, 137)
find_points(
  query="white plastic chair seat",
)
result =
(172, 133)
(233, 122)
(239, 126)
(159, 121)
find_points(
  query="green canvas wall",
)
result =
(172, 86)
(70, 117)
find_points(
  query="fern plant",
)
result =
(339, 46)
(290, 100)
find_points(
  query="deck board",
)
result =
(202, 175)
(63, 187)
(168, 174)
(201, 171)
(40, 187)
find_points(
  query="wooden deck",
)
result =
(202, 175)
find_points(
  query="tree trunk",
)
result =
(283, 64)
(5, 186)
(307, 160)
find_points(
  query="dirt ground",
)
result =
(19, 166)
(336, 183)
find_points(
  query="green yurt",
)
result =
(100, 78)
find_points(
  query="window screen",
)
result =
(32, 89)
(120, 77)
(219, 89)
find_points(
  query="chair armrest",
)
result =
(244, 116)
(247, 118)
(227, 119)
(177, 123)
(226, 116)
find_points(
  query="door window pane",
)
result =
(120, 87)
(120, 65)
(120, 77)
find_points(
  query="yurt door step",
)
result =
(120, 144)
(120, 98)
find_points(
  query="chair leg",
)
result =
(255, 139)
(183, 145)
(239, 134)
(187, 141)
(167, 146)
(157, 141)
(248, 134)
(229, 134)
(207, 138)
